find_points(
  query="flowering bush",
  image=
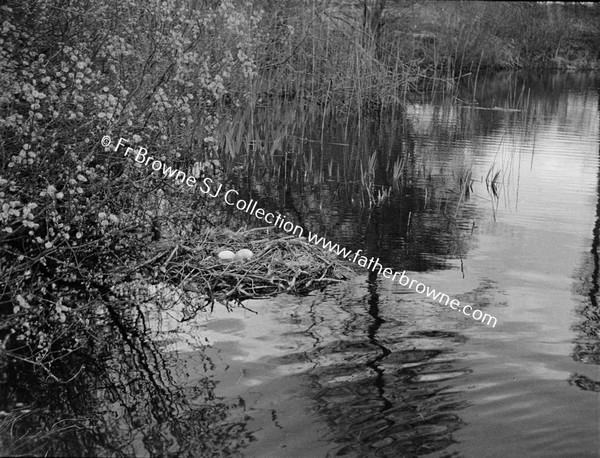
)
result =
(76, 218)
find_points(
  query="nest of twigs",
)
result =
(280, 264)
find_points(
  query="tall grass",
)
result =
(352, 61)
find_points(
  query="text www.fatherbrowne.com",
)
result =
(230, 197)
(403, 279)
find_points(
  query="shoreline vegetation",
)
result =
(83, 230)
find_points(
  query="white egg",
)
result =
(243, 254)
(226, 255)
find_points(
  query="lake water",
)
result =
(490, 195)
(373, 369)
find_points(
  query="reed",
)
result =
(492, 182)
(465, 183)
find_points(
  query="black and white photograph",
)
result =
(299, 229)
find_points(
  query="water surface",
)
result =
(373, 369)
(490, 195)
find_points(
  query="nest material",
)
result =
(280, 264)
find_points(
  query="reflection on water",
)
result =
(384, 398)
(587, 342)
(495, 201)
(366, 384)
(384, 372)
(131, 399)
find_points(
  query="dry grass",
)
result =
(198, 278)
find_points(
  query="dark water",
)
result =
(372, 369)
(496, 203)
